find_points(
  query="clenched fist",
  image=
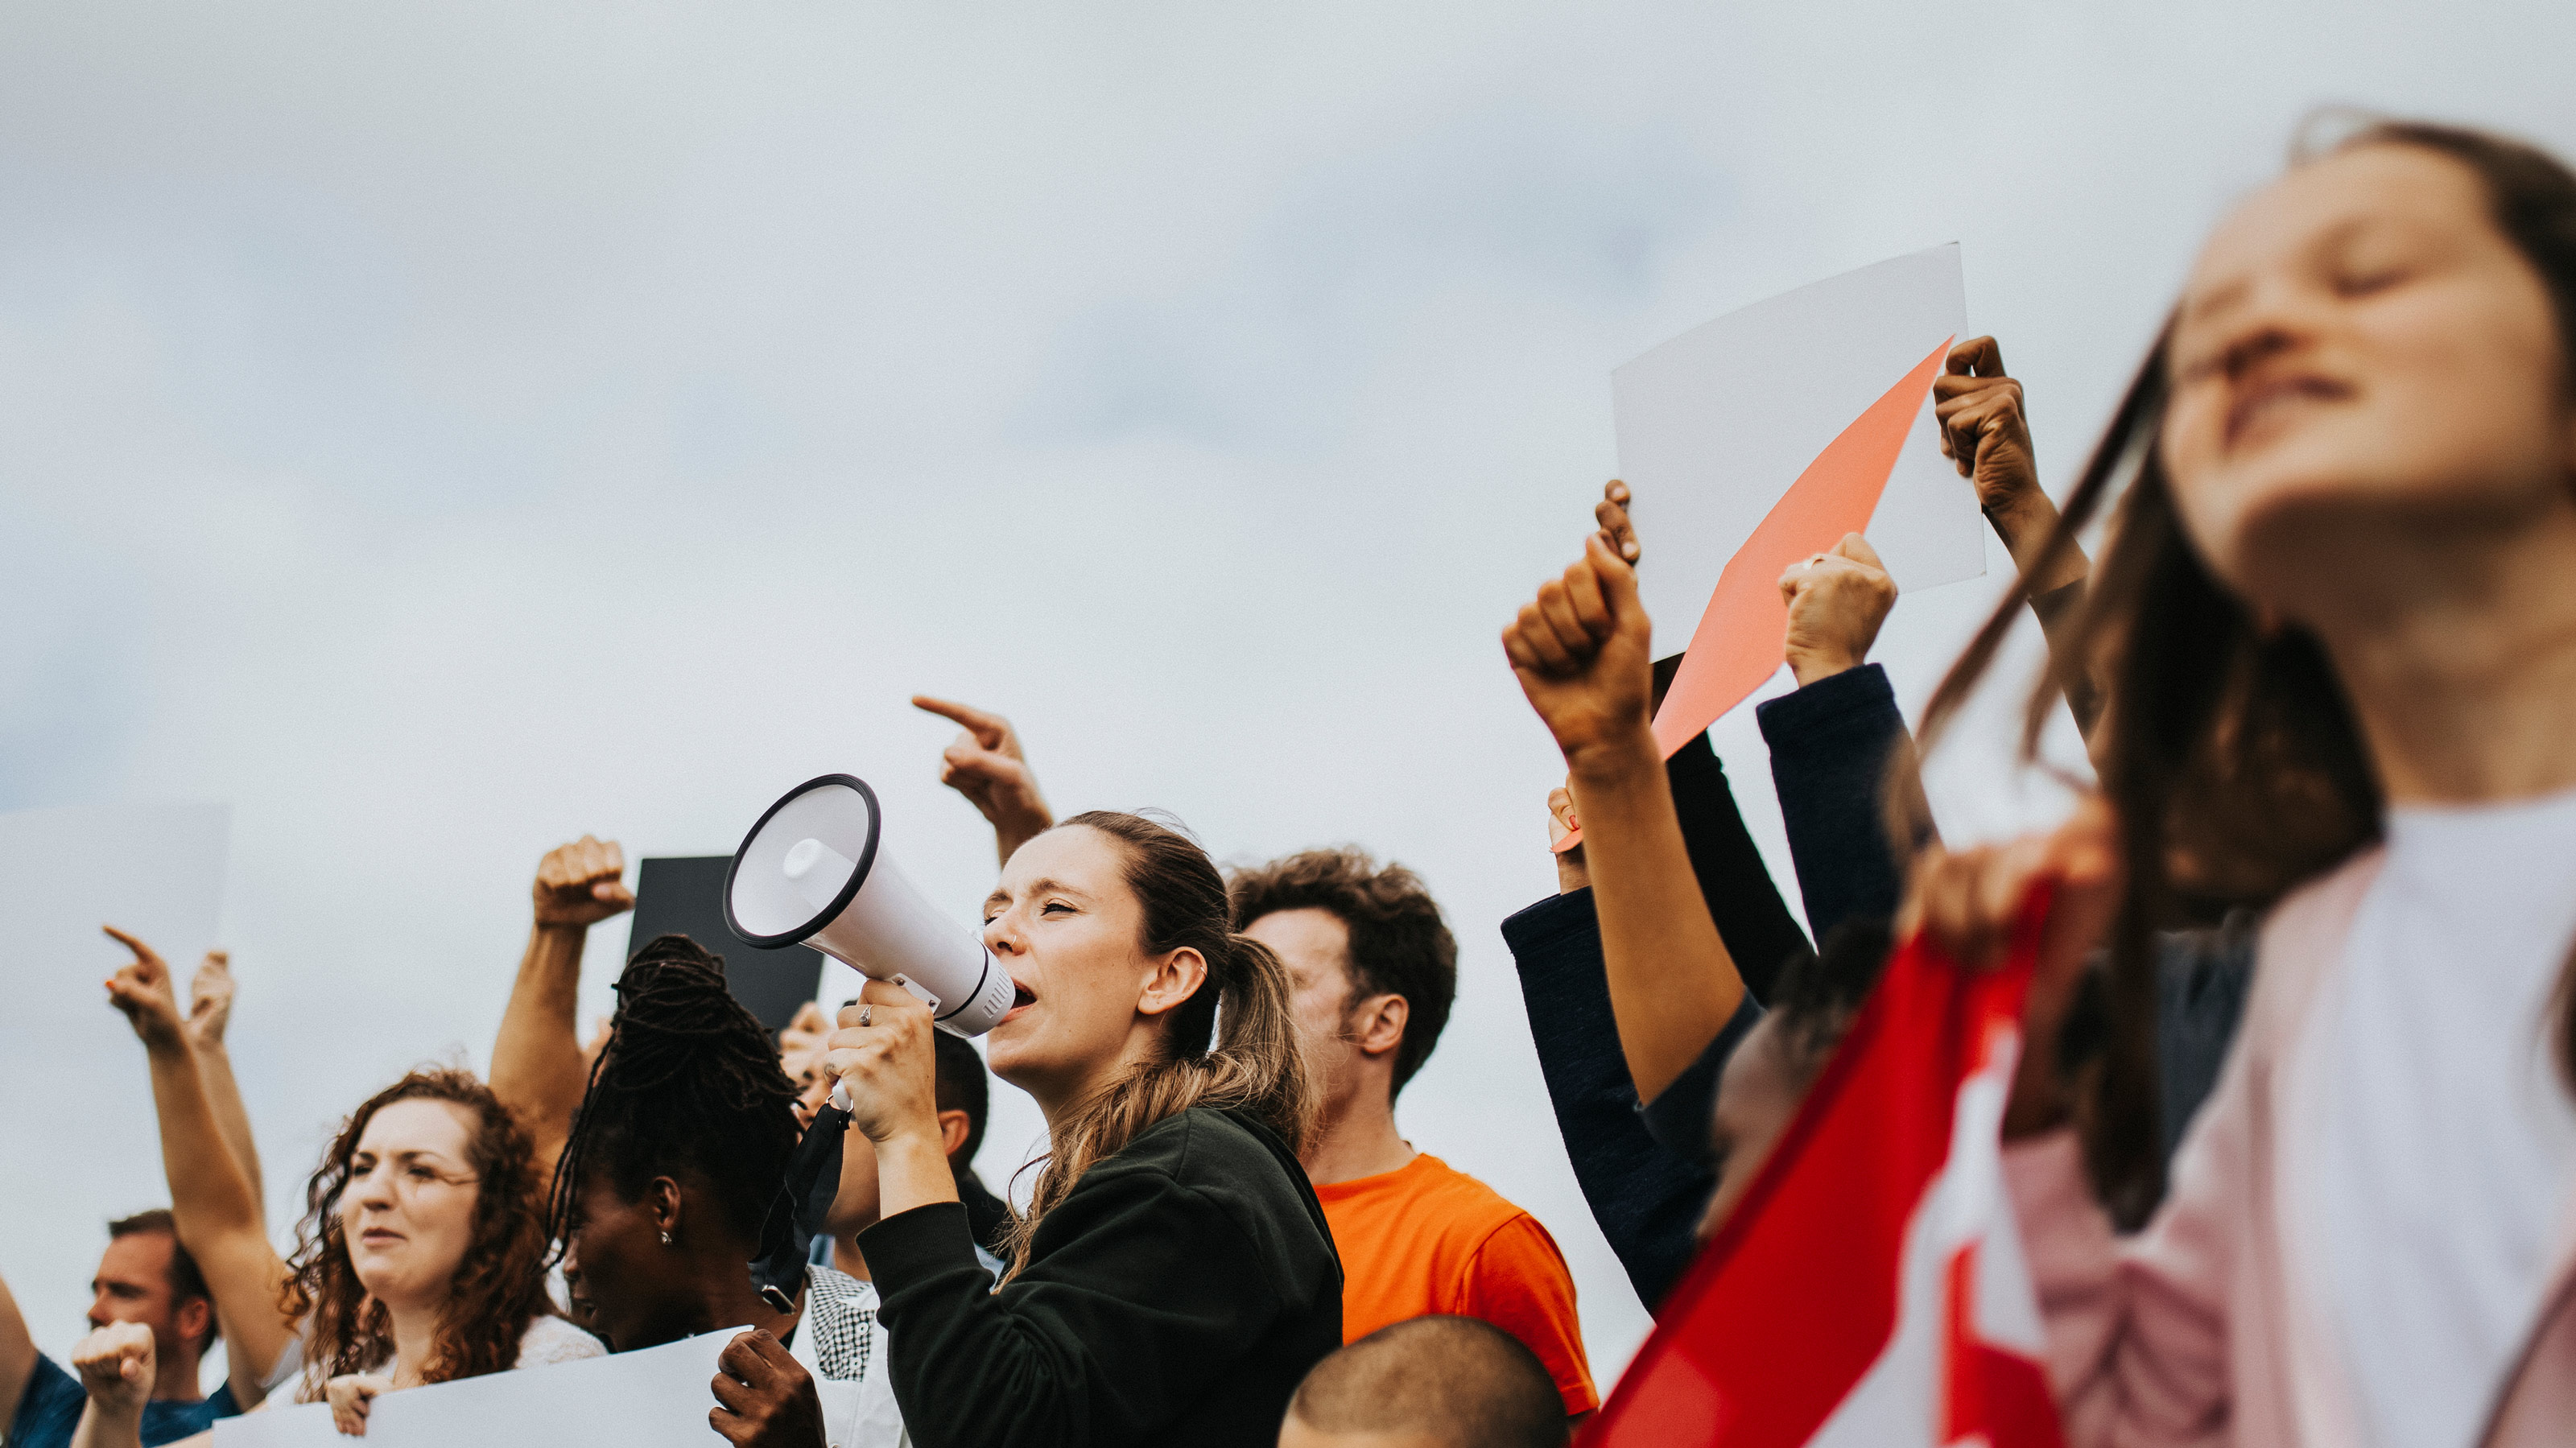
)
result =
(1836, 602)
(581, 884)
(1580, 651)
(116, 1366)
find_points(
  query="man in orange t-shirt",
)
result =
(1375, 970)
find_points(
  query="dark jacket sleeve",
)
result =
(1830, 746)
(1752, 919)
(1645, 1198)
(1104, 1338)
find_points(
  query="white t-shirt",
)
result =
(840, 1345)
(547, 1340)
(2444, 1170)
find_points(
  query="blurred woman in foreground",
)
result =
(2336, 623)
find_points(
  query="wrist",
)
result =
(1613, 757)
(1808, 667)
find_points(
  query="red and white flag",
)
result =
(1870, 1287)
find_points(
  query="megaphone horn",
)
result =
(815, 871)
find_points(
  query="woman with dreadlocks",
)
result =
(664, 1195)
(1173, 1278)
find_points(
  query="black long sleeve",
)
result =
(1645, 1199)
(1177, 1294)
(1830, 746)
(1760, 933)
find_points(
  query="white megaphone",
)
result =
(815, 872)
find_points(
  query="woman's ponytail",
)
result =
(1233, 1044)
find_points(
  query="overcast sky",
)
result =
(441, 431)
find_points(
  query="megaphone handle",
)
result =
(841, 1095)
(919, 994)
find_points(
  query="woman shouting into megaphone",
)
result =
(1173, 1278)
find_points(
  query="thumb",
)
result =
(1857, 549)
(1618, 581)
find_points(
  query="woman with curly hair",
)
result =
(422, 1253)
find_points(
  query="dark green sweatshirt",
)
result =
(1177, 1295)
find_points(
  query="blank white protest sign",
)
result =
(76, 1122)
(1715, 425)
(654, 1397)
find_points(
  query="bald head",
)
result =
(1432, 1382)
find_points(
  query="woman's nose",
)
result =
(1002, 935)
(372, 1190)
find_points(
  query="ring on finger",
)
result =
(867, 1014)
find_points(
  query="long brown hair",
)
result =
(2225, 746)
(499, 1287)
(1243, 1056)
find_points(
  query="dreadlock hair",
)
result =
(499, 1287)
(688, 1086)
(1244, 1056)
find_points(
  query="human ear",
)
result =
(953, 1126)
(192, 1320)
(661, 1206)
(1378, 1025)
(1175, 980)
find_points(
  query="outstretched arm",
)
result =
(1984, 433)
(17, 1356)
(538, 1066)
(211, 1200)
(985, 765)
(210, 1010)
(1580, 652)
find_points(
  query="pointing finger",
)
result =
(988, 729)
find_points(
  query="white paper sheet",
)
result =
(77, 1132)
(1715, 425)
(654, 1397)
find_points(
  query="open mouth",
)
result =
(1021, 999)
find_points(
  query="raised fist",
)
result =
(580, 883)
(1580, 652)
(141, 988)
(984, 763)
(116, 1366)
(1836, 602)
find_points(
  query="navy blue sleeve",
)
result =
(1830, 746)
(48, 1409)
(1645, 1198)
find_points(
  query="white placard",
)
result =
(655, 1397)
(1715, 425)
(76, 1126)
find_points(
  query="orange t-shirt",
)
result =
(1425, 1240)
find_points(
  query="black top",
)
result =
(1177, 1295)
